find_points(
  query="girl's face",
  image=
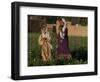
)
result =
(44, 30)
(61, 23)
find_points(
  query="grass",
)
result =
(78, 47)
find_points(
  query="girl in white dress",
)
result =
(44, 42)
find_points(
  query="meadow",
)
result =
(78, 48)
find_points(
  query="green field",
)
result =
(78, 47)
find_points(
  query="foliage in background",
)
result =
(74, 20)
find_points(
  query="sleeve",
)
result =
(48, 37)
(61, 35)
(57, 27)
(40, 41)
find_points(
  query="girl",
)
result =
(44, 42)
(63, 50)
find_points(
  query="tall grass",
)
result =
(78, 48)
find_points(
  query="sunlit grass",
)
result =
(78, 47)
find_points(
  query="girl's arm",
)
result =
(62, 34)
(57, 27)
(48, 37)
(40, 41)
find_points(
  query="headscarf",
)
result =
(63, 29)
